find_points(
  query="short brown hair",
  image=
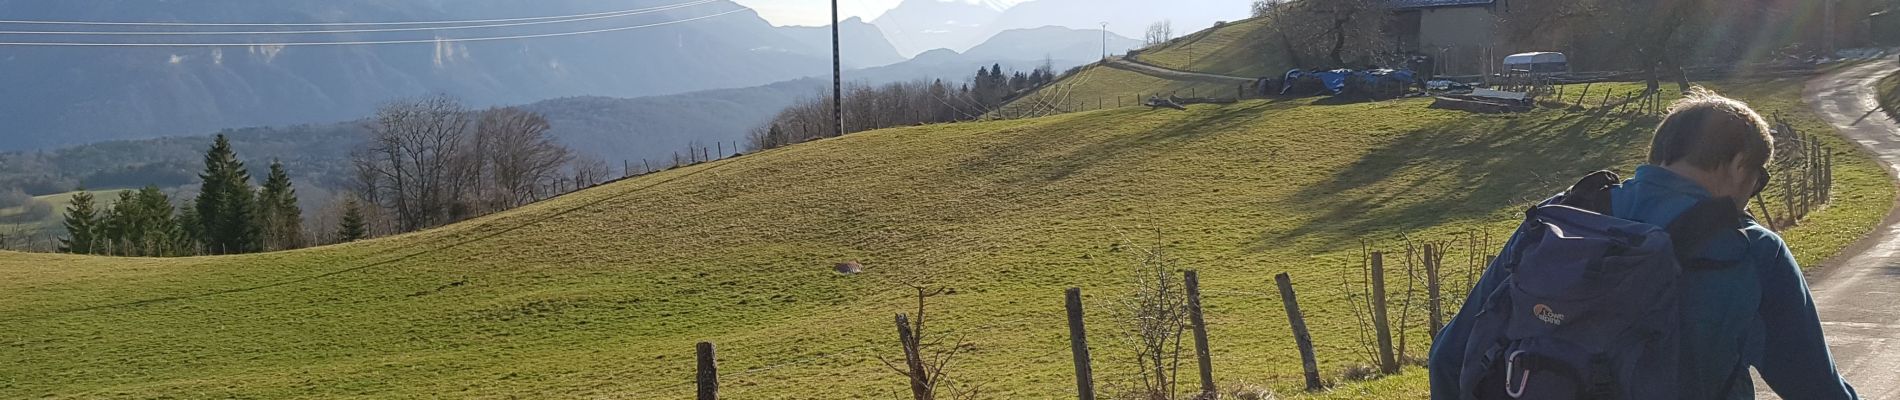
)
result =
(1708, 130)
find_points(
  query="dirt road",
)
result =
(1858, 295)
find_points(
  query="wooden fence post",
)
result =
(1079, 346)
(1431, 288)
(1787, 196)
(1208, 391)
(1300, 335)
(1826, 181)
(708, 372)
(919, 385)
(1380, 324)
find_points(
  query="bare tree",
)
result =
(407, 165)
(1159, 33)
(1334, 30)
(589, 171)
(521, 155)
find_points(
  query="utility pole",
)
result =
(837, 76)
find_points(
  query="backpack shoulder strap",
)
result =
(1695, 228)
(1592, 193)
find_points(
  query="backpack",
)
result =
(1589, 306)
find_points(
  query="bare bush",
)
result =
(1154, 321)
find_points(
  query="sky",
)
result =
(817, 12)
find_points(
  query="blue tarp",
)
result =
(1334, 81)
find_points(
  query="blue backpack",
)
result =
(1589, 306)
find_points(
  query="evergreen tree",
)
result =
(151, 233)
(277, 211)
(117, 227)
(186, 229)
(82, 224)
(352, 228)
(226, 204)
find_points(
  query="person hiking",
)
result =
(1660, 287)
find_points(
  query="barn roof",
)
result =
(1418, 4)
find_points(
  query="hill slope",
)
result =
(1239, 49)
(603, 293)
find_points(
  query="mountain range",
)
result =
(58, 96)
(917, 26)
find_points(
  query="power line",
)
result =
(333, 31)
(368, 42)
(450, 22)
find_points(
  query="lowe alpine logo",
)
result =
(1543, 312)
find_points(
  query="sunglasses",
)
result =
(1761, 180)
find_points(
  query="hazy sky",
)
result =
(816, 12)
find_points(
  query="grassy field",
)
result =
(27, 222)
(1105, 87)
(1234, 49)
(602, 294)
(1241, 48)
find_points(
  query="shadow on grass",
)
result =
(1460, 169)
(1033, 147)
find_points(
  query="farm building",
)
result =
(1459, 34)
(1884, 27)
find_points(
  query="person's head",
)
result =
(1716, 141)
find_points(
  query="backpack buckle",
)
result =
(1523, 382)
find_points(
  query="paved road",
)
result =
(1858, 294)
(1174, 74)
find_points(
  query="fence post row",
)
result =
(1208, 391)
(708, 380)
(1380, 324)
(1300, 336)
(1079, 345)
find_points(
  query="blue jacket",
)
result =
(1758, 313)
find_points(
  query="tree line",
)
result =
(228, 216)
(433, 161)
(901, 104)
(427, 162)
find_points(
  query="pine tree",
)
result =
(152, 235)
(352, 228)
(226, 204)
(82, 224)
(186, 229)
(121, 220)
(277, 211)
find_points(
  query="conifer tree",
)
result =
(152, 230)
(226, 204)
(82, 225)
(352, 227)
(278, 215)
(186, 230)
